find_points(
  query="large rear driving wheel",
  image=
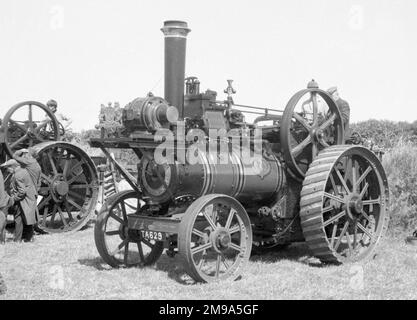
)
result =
(69, 187)
(344, 204)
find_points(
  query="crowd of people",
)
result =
(19, 198)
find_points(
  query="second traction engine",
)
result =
(214, 188)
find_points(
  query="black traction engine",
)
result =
(218, 181)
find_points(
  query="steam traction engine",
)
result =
(213, 198)
(69, 180)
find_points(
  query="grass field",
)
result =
(69, 267)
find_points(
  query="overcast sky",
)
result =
(84, 53)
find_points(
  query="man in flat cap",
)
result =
(344, 109)
(28, 162)
(23, 193)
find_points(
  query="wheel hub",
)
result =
(354, 205)
(317, 134)
(221, 239)
(59, 188)
(124, 232)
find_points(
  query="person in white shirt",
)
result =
(65, 121)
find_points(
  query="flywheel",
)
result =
(27, 124)
(343, 206)
(311, 122)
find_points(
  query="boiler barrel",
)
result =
(246, 181)
(249, 181)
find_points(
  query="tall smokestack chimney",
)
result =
(175, 44)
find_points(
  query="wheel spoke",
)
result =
(333, 235)
(79, 164)
(201, 262)
(53, 214)
(147, 243)
(45, 215)
(112, 233)
(299, 148)
(355, 172)
(315, 108)
(124, 211)
(73, 203)
(199, 233)
(66, 166)
(208, 217)
(119, 247)
(30, 114)
(333, 197)
(234, 229)
(348, 169)
(371, 202)
(303, 122)
(39, 138)
(44, 201)
(235, 247)
(140, 249)
(360, 226)
(336, 191)
(365, 215)
(349, 243)
(314, 150)
(219, 258)
(334, 219)
(68, 211)
(363, 176)
(342, 180)
(75, 177)
(46, 178)
(18, 141)
(117, 218)
(225, 262)
(328, 122)
(327, 209)
(81, 186)
(75, 195)
(43, 125)
(126, 255)
(64, 221)
(16, 124)
(355, 234)
(342, 233)
(230, 218)
(201, 248)
(365, 188)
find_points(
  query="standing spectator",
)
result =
(5, 202)
(344, 109)
(3, 287)
(28, 162)
(23, 193)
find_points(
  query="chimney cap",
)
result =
(175, 28)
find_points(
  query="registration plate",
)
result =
(153, 235)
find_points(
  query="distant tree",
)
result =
(386, 134)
